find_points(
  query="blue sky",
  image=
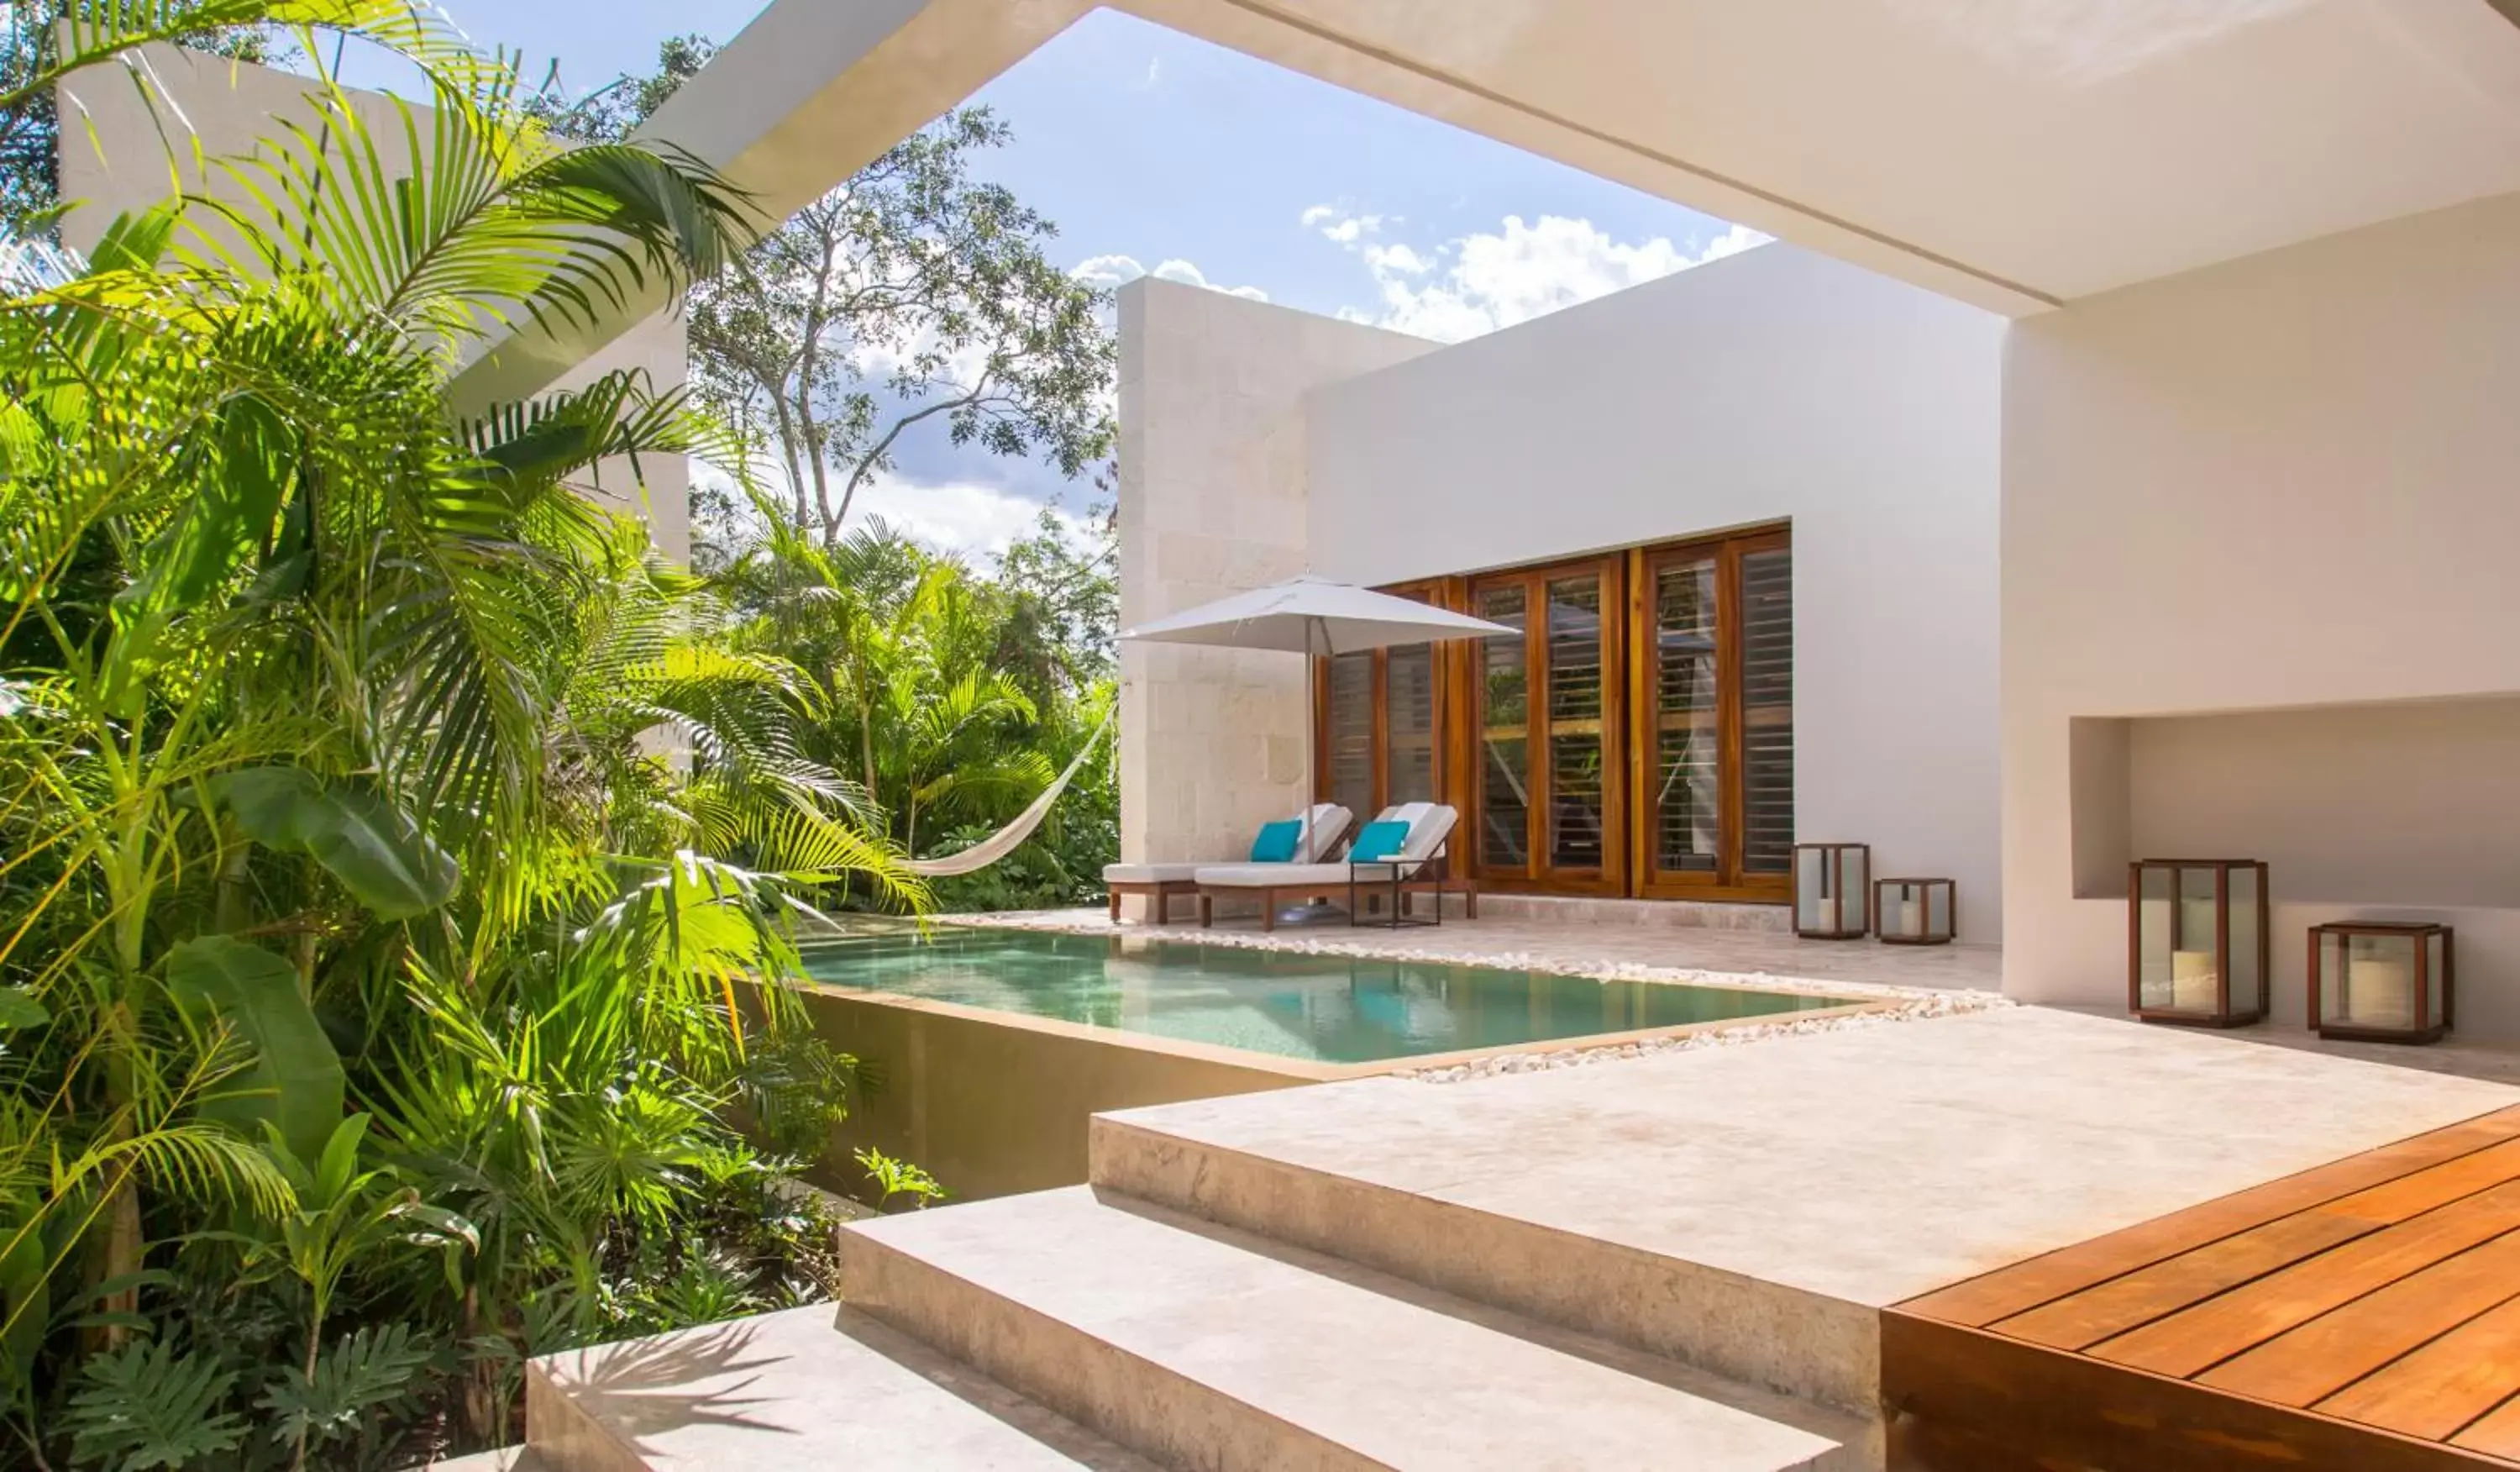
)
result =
(1157, 152)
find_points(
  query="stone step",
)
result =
(1552, 1265)
(1205, 1348)
(807, 1390)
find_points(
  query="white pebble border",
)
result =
(1937, 1004)
(1914, 1002)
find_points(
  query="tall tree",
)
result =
(611, 113)
(915, 294)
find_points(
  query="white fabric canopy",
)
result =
(1312, 615)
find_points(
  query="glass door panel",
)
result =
(1505, 732)
(1686, 806)
(1578, 816)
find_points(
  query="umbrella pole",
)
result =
(1313, 629)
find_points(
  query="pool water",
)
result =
(1328, 1009)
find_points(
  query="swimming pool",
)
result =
(1322, 1009)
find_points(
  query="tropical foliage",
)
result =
(951, 698)
(915, 301)
(386, 839)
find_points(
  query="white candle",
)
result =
(1825, 912)
(2379, 992)
(1912, 918)
(2194, 986)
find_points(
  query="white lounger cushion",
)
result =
(1271, 876)
(1149, 873)
(1428, 825)
(1328, 825)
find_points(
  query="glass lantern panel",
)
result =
(2195, 961)
(2153, 909)
(2331, 978)
(2248, 968)
(1815, 891)
(1903, 912)
(2437, 993)
(2376, 983)
(1857, 876)
(1938, 909)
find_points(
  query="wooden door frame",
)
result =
(1540, 876)
(1729, 883)
(1629, 677)
(1432, 591)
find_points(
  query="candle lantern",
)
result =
(2379, 982)
(1833, 889)
(1915, 911)
(2196, 941)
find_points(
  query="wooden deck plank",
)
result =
(2016, 1289)
(2164, 1288)
(2052, 1409)
(2442, 1387)
(2307, 1364)
(2496, 1433)
(2198, 1339)
(2121, 1303)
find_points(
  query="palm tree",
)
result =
(913, 697)
(328, 716)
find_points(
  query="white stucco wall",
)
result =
(1771, 385)
(2287, 481)
(1211, 502)
(122, 150)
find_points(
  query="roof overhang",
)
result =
(2012, 154)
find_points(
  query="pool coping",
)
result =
(1311, 1072)
(1427, 946)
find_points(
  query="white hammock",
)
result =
(1007, 840)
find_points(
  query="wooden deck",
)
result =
(2363, 1316)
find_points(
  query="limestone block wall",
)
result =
(1212, 501)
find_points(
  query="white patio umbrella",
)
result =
(1312, 615)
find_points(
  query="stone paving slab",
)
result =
(1868, 1164)
(806, 1389)
(1204, 1347)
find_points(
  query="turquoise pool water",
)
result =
(1328, 1009)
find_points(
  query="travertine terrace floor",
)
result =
(1870, 1166)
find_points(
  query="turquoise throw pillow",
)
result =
(1378, 841)
(1277, 842)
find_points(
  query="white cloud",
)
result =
(1342, 227)
(1119, 270)
(977, 520)
(1396, 260)
(1108, 270)
(1480, 281)
(957, 517)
